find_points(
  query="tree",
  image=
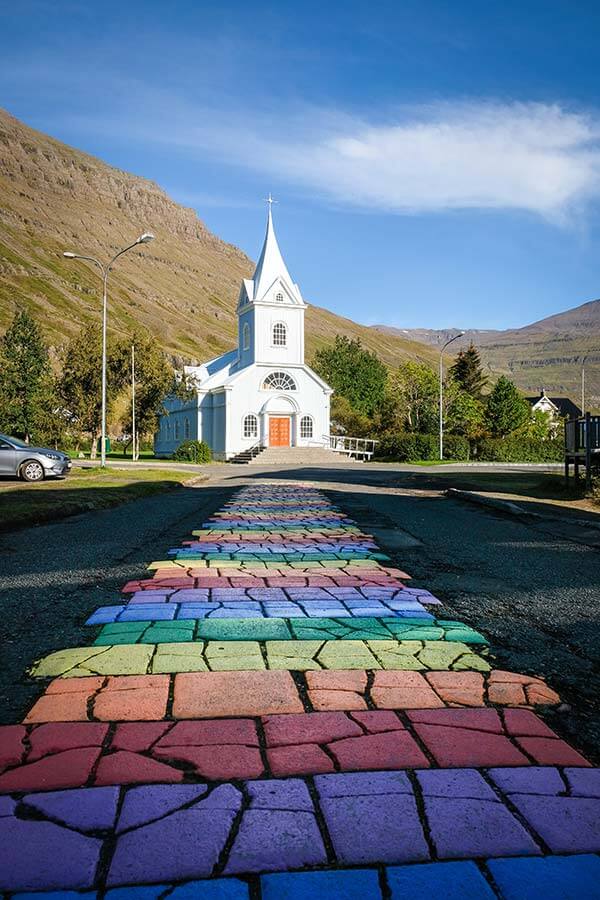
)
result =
(506, 408)
(26, 396)
(80, 386)
(154, 380)
(353, 372)
(463, 413)
(467, 372)
(414, 389)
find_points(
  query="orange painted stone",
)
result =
(458, 688)
(200, 695)
(133, 697)
(403, 690)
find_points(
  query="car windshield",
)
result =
(14, 441)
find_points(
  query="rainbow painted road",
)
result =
(274, 711)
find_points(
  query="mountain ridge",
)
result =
(183, 287)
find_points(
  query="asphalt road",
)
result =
(531, 585)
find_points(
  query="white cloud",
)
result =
(535, 157)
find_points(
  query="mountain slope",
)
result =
(548, 353)
(183, 287)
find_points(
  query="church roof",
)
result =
(270, 268)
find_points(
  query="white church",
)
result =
(262, 393)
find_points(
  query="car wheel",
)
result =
(32, 471)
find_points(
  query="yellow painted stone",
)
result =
(400, 655)
(178, 657)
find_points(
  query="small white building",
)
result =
(262, 393)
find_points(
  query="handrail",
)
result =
(359, 448)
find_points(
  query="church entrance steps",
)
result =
(302, 456)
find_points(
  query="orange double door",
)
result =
(279, 431)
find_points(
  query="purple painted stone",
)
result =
(84, 809)
(7, 806)
(280, 795)
(143, 804)
(369, 784)
(184, 844)
(466, 819)
(43, 856)
(270, 594)
(584, 782)
(195, 611)
(567, 824)
(531, 780)
(272, 840)
(187, 596)
(367, 829)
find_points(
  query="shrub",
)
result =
(193, 451)
(456, 446)
(407, 447)
(519, 448)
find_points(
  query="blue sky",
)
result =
(437, 163)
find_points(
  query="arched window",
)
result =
(250, 426)
(306, 427)
(279, 381)
(246, 336)
(168, 430)
(177, 430)
(279, 297)
(186, 429)
(279, 334)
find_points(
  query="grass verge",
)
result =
(23, 504)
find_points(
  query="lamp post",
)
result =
(456, 336)
(105, 269)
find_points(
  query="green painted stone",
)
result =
(243, 629)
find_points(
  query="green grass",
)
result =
(24, 504)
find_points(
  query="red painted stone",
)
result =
(392, 750)
(308, 728)
(307, 759)
(124, 767)
(217, 762)
(11, 747)
(524, 722)
(551, 752)
(378, 721)
(137, 736)
(212, 731)
(54, 737)
(454, 746)
(71, 768)
(476, 719)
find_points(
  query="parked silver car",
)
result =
(31, 463)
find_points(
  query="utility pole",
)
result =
(134, 452)
(455, 338)
(105, 269)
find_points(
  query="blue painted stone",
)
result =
(142, 892)
(438, 881)
(356, 884)
(219, 889)
(550, 877)
(57, 895)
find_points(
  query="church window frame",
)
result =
(278, 381)
(250, 426)
(177, 430)
(279, 334)
(245, 336)
(279, 297)
(306, 427)
(186, 429)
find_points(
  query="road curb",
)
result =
(513, 509)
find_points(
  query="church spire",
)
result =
(270, 265)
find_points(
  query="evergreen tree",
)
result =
(354, 373)
(26, 397)
(467, 371)
(506, 409)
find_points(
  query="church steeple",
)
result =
(271, 281)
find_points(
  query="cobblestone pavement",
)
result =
(276, 712)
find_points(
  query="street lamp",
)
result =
(105, 269)
(456, 336)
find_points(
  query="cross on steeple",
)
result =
(270, 201)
